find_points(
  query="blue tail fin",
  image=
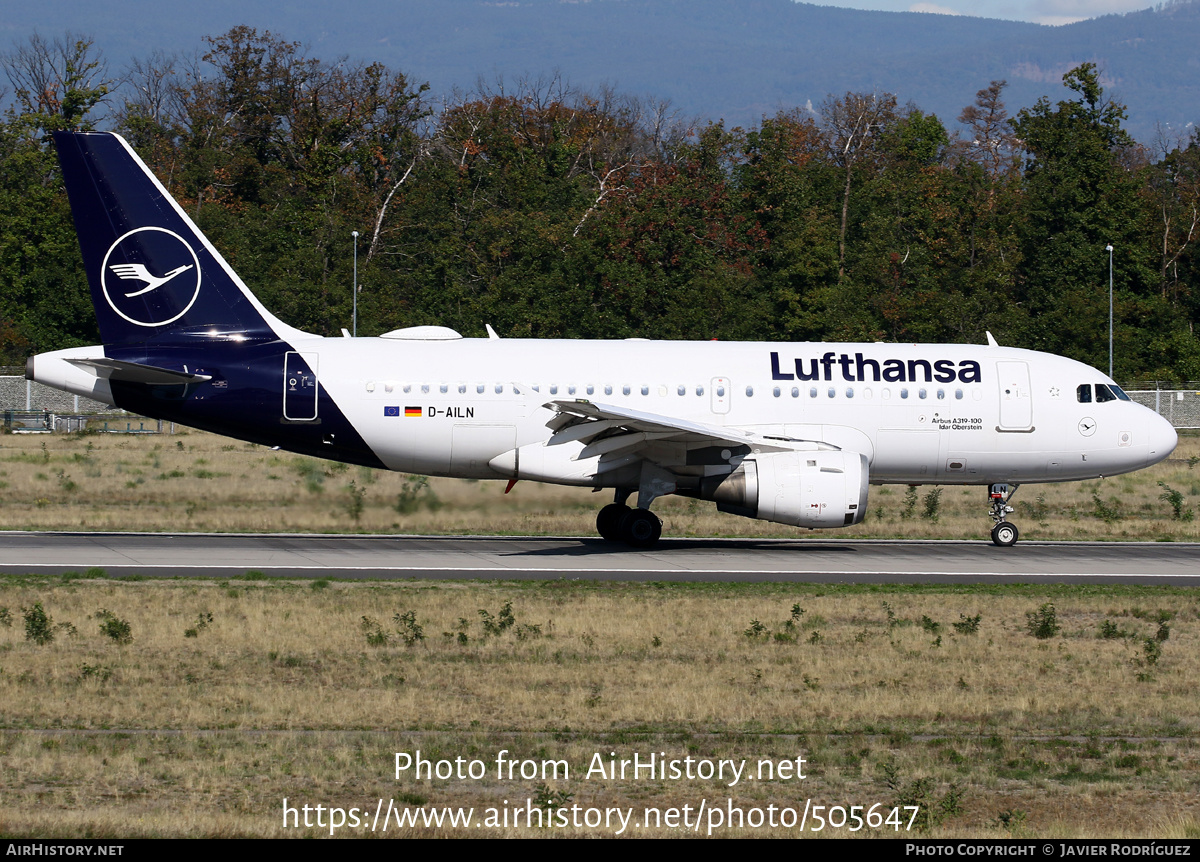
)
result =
(153, 275)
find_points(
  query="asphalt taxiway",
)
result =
(816, 560)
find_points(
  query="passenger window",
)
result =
(775, 392)
(571, 389)
(444, 388)
(608, 389)
(699, 390)
(553, 388)
(479, 389)
(795, 392)
(904, 393)
(720, 391)
(1084, 393)
(591, 390)
(625, 389)
(499, 388)
(849, 392)
(646, 390)
(958, 393)
(832, 392)
(462, 389)
(921, 393)
(941, 394)
(749, 391)
(1103, 393)
(681, 390)
(424, 388)
(408, 387)
(537, 387)
(812, 392)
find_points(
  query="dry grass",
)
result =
(283, 694)
(198, 481)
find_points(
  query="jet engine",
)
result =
(802, 489)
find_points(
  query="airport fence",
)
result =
(1181, 407)
(29, 407)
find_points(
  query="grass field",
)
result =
(195, 707)
(229, 696)
(194, 481)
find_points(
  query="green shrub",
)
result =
(39, 625)
(115, 628)
(1042, 623)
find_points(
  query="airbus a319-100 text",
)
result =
(791, 433)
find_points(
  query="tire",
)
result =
(608, 521)
(641, 528)
(1005, 534)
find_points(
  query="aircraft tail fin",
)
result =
(153, 274)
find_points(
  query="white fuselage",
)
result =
(996, 415)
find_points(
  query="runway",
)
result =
(815, 560)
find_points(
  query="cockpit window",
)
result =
(1084, 393)
(1119, 392)
(1103, 393)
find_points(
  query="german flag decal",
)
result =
(412, 411)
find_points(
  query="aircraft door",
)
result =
(300, 386)
(720, 395)
(1016, 397)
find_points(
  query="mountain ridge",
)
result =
(731, 59)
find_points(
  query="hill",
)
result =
(731, 59)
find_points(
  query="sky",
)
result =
(1051, 12)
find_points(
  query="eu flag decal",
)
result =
(391, 411)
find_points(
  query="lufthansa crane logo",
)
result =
(150, 276)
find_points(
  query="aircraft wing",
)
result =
(605, 429)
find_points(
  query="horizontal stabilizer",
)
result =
(133, 372)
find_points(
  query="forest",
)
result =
(550, 212)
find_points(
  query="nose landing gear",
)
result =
(1004, 533)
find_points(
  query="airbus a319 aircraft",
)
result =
(790, 433)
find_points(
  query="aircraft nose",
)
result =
(1162, 439)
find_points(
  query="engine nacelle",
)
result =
(803, 489)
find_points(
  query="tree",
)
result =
(58, 83)
(852, 125)
(1080, 197)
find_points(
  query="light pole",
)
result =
(354, 323)
(1109, 249)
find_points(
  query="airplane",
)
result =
(793, 433)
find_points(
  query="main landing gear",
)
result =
(1004, 533)
(639, 528)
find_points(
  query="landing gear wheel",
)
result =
(608, 521)
(641, 528)
(1005, 534)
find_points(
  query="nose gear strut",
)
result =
(1004, 533)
